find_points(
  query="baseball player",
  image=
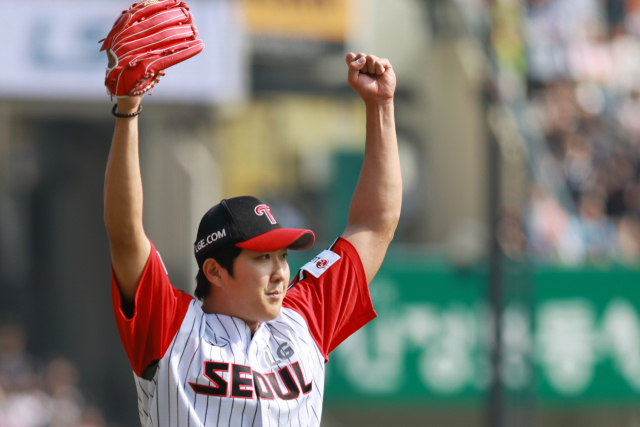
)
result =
(253, 353)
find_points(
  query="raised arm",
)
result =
(123, 202)
(375, 206)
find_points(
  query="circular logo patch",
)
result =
(322, 263)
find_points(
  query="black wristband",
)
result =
(125, 116)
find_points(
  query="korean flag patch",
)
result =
(321, 263)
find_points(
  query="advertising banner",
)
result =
(577, 340)
(320, 20)
(51, 51)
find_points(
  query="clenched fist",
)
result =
(371, 77)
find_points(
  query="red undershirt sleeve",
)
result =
(158, 313)
(337, 302)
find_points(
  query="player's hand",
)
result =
(371, 77)
(129, 104)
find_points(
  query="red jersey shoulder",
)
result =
(159, 310)
(330, 292)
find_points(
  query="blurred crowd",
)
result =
(37, 394)
(582, 77)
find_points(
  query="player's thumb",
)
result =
(354, 69)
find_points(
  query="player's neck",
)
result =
(212, 306)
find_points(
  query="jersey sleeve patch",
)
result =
(321, 263)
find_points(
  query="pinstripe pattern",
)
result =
(170, 399)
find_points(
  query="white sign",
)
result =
(51, 51)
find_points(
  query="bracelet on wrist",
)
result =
(127, 115)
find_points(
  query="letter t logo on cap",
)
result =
(264, 210)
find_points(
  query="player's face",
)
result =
(258, 285)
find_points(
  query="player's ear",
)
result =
(211, 270)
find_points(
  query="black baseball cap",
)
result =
(247, 223)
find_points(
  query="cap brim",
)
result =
(290, 238)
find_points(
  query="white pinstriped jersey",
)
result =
(197, 369)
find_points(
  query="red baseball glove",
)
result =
(148, 38)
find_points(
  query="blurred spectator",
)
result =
(583, 77)
(22, 402)
(578, 164)
(61, 380)
(17, 368)
(628, 114)
(598, 230)
(553, 233)
(31, 397)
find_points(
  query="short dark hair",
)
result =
(225, 257)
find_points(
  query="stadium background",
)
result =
(518, 132)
